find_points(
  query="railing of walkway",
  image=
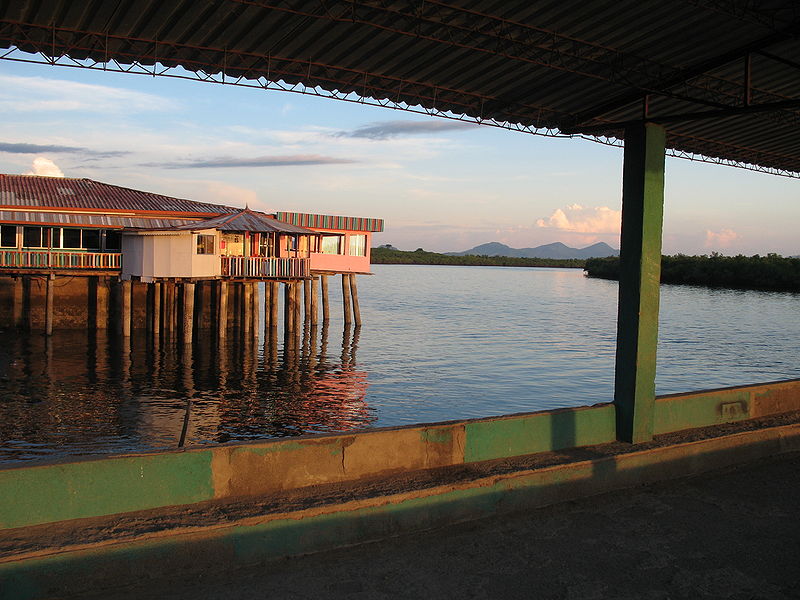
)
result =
(37, 259)
(255, 266)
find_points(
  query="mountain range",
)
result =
(554, 250)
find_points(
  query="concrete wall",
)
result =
(78, 301)
(31, 495)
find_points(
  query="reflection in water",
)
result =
(81, 393)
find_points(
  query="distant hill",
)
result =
(554, 250)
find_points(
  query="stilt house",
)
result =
(54, 226)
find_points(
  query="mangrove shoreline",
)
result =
(771, 272)
(388, 256)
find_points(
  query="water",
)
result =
(438, 343)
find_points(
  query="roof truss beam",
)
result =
(456, 26)
(684, 117)
(683, 77)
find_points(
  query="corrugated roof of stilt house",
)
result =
(336, 244)
(86, 194)
(246, 220)
(96, 204)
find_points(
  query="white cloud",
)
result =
(37, 94)
(583, 219)
(720, 239)
(45, 167)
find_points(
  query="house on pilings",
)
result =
(121, 248)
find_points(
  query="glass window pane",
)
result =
(8, 236)
(32, 237)
(71, 239)
(205, 244)
(113, 240)
(358, 245)
(331, 244)
(91, 239)
(267, 247)
(51, 237)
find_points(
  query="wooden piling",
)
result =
(167, 307)
(18, 302)
(188, 312)
(326, 311)
(298, 309)
(247, 308)
(354, 294)
(164, 307)
(314, 304)
(174, 305)
(307, 300)
(48, 318)
(256, 308)
(149, 306)
(348, 317)
(101, 302)
(27, 302)
(288, 307)
(157, 308)
(222, 309)
(267, 305)
(126, 288)
(273, 308)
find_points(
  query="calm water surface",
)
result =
(437, 343)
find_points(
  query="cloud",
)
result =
(259, 161)
(38, 94)
(583, 219)
(389, 129)
(45, 167)
(36, 148)
(720, 239)
(24, 148)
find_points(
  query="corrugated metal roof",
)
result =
(567, 65)
(86, 194)
(87, 220)
(246, 220)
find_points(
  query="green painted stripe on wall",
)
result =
(34, 495)
(542, 432)
(96, 569)
(679, 412)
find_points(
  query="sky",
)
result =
(440, 184)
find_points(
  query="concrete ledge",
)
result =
(255, 540)
(107, 486)
(676, 412)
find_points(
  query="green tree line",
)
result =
(389, 256)
(770, 272)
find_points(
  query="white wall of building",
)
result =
(159, 255)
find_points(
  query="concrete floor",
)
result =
(732, 534)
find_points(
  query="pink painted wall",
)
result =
(343, 263)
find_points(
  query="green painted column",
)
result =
(640, 272)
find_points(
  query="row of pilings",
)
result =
(179, 308)
(168, 307)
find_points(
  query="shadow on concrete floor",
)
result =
(732, 534)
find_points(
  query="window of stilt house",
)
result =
(205, 244)
(8, 236)
(358, 245)
(332, 244)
